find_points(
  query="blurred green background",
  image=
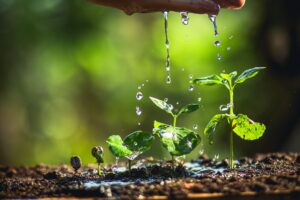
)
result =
(70, 71)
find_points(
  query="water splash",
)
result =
(225, 108)
(168, 65)
(139, 96)
(184, 18)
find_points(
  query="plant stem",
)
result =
(174, 121)
(99, 171)
(231, 131)
(173, 162)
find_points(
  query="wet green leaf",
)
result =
(248, 129)
(188, 109)
(226, 76)
(208, 80)
(162, 105)
(233, 74)
(139, 141)
(178, 141)
(117, 147)
(210, 128)
(247, 74)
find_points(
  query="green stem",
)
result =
(231, 131)
(173, 162)
(99, 171)
(174, 121)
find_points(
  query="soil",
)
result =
(265, 176)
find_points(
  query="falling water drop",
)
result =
(225, 108)
(147, 81)
(228, 48)
(139, 96)
(190, 76)
(177, 103)
(184, 18)
(199, 99)
(168, 66)
(219, 57)
(139, 87)
(139, 123)
(195, 126)
(191, 88)
(230, 37)
(182, 69)
(138, 110)
(217, 43)
(212, 18)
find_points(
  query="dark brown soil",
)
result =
(266, 176)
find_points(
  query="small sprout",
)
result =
(177, 140)
(132, 146)
(97, 152)
(240, 124)
(76, 163)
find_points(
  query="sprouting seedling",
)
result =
(177, 140)
(75, 162)
(97, 152)
(131, 147)
(240, 124)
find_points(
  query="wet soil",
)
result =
(265, 176)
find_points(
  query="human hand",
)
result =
(193, 6)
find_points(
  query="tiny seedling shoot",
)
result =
(240, 124)
(177, 140)
(131, 147)
(97, 152)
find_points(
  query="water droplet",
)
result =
(139, 123)
(168, 81)
(177, 103)
(182, 69)
(228, 48)
(184, 18)
(190, 144)
(217, 43)
(230, 37)
(139, 87)
(147, 81)
(195, 127)
(199, 99)
(170, 107)
(139, 96)
(138, 110)
(135, 143)
(143, 85)
(190, 76)
(211, 142)
(166, 100)
(191, 88)
(219, 57)
(212, 18)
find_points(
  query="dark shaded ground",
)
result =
(270, 176)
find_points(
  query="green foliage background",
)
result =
(70, 72)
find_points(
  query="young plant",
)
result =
(97, 152)
(240, 124)
(177, 140)
(131, 147)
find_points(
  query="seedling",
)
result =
(240, 124)
(97, 152)
(131, 147)
(76, 163)
(177, 140)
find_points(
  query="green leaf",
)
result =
(158, 124)
(162, 105)
(178, 141)
(210, 128)
(139, 141)
(208, 80)
(226, 76)
(233, 74)
(116, 146)
(188, 109)
(248, 129)
(249, 73)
